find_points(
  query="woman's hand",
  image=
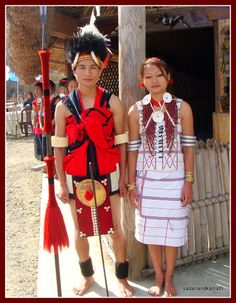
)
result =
(133, 197)
(187, 193)
(63, 194)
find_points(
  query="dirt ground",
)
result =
(23, 192)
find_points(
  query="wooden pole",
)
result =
(132, 47)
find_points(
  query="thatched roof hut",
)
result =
(24, 36)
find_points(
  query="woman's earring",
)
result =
(171, 81)
(141, 85)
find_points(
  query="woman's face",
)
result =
(72, 85)
(63, 90)
(38, 91)
(87, 73)
(155, 80)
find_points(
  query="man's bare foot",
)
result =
(169, 290)
(84, 286)
(157, 289)
(125, 289)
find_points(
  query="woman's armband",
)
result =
(187, 140)
(134, 145)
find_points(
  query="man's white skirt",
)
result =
(161, 219)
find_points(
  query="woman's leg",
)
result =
(170, 257)
(156, 256)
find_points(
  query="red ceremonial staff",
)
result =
(55, 235)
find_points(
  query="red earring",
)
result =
(171, 81)
(141, 85)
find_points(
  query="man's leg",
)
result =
(85, 262)
(119, 247)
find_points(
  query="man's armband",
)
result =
(187, 140)
(59, 141)
(133, 145)
(121, 138)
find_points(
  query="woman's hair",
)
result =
(63, 82)
(165, 69)
(31, 96)
(52, 85)
(39, 84)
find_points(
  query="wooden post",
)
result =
(132, 47)
(220, 119)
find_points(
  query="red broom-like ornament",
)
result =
(55, 234)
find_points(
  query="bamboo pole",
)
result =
(224, 220)
(195, 184)
(197, 227)
(207, 173)
(217, 222)
(218, 168)
(204, 231)
(191, 244)
(213, 169)
(200, 171)
(211, 224)
(225, 166)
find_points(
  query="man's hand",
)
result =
(63, 194)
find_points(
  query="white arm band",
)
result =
(122, 138)
(134, 145)
(59, 141)
(187, 140)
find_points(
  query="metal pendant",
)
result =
(146, 100)
(167, 98)
(158, 116)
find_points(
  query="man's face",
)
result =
(87, 73)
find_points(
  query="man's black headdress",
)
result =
(88, 42)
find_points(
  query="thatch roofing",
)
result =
(24, 33)
(23, 30)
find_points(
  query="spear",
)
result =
(55, 235)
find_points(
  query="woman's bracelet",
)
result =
(131, 186)
(189, 176)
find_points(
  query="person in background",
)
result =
(160, 170)
(29, 99)
(71, 84)
(63, 87)
(37, 111)
(54, 99)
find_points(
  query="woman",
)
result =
(71, 84)
(29, 100)
(160, 170)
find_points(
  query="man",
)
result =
(90, 123)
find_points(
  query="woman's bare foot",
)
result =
(157, 289)
(84, 286)
(125, 289)
(169, 290)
